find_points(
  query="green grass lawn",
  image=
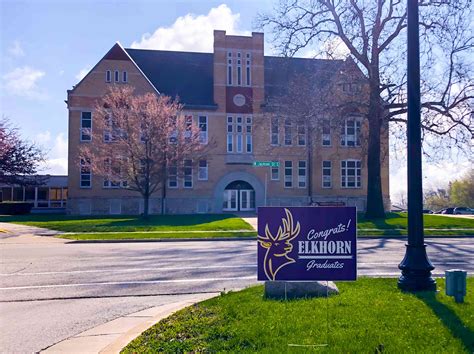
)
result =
(156, 235)
(368, 316)
(82, 224)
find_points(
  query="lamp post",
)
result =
(415, 266)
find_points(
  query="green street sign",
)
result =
(266, 164)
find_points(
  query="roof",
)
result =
(190, 75)
(187, 75)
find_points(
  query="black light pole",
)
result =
(415, 266)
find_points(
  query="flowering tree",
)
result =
(140, 140)
(19, 159)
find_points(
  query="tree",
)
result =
(140, 141)
(461, 192)
(436, 200)
(19, 158)
(373, 33)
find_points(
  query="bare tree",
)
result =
(19, 158)
(374, 34)
(140, 141)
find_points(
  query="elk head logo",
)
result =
(278, 247)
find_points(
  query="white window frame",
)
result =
(203, 171)
(108, 76)
(84, 164)
(203, 134)
(185, 175)
(326, 123)
(84, 129)
(239, 134)
(290, 176)
(173, 177)
(357, 174)
(109, 184)
(299, 135)
(239, 70)
(324, 177)
(273, 169)
(288, 132)
(248, 135)
(124, 76)
(274, 123)
(355, 138)
(116, 76)
(230, 134)
(248, 71)
(302, 182)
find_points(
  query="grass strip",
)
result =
(156, 235)
(368, 316)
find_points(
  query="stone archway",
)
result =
(228, 179)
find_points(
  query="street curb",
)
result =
(111, 337)
(69, 241)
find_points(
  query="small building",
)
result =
(229, 94)
(50, 196)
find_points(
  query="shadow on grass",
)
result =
(449, 319)
(382, 225)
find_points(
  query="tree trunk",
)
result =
(146, 203)
(375, 207)
(163, 198)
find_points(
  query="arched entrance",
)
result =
(238, 196)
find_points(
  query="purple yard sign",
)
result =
(307, 243)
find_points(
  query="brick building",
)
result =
(228, 93)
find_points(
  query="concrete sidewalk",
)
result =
(24, 234)
(113, 336)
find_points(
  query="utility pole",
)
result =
(415, 266)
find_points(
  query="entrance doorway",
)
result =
(239, 196)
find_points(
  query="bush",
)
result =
(15, 208)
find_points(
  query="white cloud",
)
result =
(43, 137)
(84, 71)
(192, 32)
(23, 82)
(56, 161)
(435, 176)
(16, 50)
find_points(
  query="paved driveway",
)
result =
(50, 291)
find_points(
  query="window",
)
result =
(86, 126)
(229, 69)
(85, 178)
(288, 135)
(230, 130)
(350, 132)
(114, 179)
(108, 76)
(124, 76)
(301, 132)
(188, 174)
(239, 74)
(275, 131)
(188, 120)
(173, 176)
(326, 133)
(288, 174)
(327, 183)
(203, 129)
(275, 173)
(239, 136)
(248, 135)
(116, 76)
(301, 174)
(350, 174)
(247, 71)
(203, 170)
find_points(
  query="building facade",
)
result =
(231, 95)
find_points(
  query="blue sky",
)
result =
(47, 46)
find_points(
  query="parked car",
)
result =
(427, 211)
(463, 210)
(445, 211)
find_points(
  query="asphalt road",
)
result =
(51, 291)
